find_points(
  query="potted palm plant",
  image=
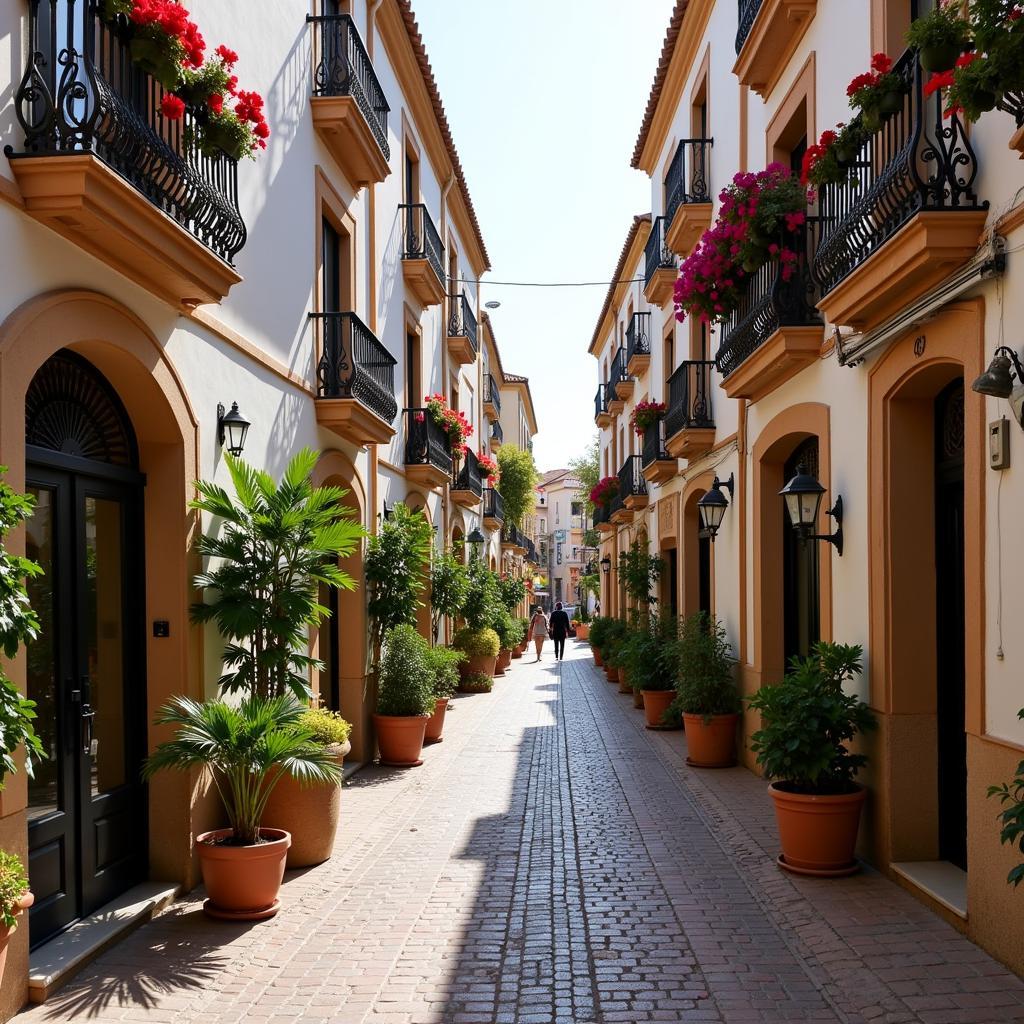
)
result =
(808, 720)
(706, 692)
(248, 748)
(444, 664)
(15, 899)
(615, 636)
(312, 811)
(598, 637)
(654, 672)
(405, 698)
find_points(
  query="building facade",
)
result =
(561, 524)
(858, 369)
(325, 289)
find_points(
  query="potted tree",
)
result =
(15, 899)
(312, 810)
(405, 698)
(444, 665)
(504, 626)
(654, 672)
(477, 638)
(248, 748)
(449, 583)
(706, 692)
(808, 720)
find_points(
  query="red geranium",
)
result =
(172, 108)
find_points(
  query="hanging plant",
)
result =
(939, 36)
(830, 160)
(646, 414)
(878, 93)
(605, 491)
(488, 469)
(454, 424)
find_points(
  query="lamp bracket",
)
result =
(836, 537)
(729, 484)
(221, 413)
(1014, 358)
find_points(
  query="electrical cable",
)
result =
(550, 284)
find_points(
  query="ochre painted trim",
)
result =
(803, 90)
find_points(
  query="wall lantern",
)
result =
(998, 381)
(232, 429)
(803, 496)
(606, 565)
(475, 540)
(712, 504)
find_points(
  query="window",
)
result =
(577, 508)
(413, 393)
(669, 350)
(411, 180)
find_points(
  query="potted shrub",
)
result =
(309, 813)
(482, 605)
(522, 630)
(807, 722)
(878, 93)
(444, 665)
(477, 682)
(508, 637)
(645, 414)
(615, 637)
(939, 36)
(449, 585)
(15, 898)
(706, 692)
(248, 748)
(481, 647)
(653, 671)
(598, 637)
(405, 698)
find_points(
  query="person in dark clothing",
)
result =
(559, 629)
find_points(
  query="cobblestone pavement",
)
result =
(552, 863)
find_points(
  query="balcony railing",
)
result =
(512, 535)
(747, 14)
(420, 239)
(494, 507)
(601, 401)
(918, 160)
(687, 178)
(632, 483)
(657, 254)
(617, 374)
(462, 319)
(81, 93)
(492, 392)
(602, 514)
(426, 444)
(654, 449)
(344, 69)
(769, 302)
(354, 364)
(468, 478)
(689, 398)
(638, 336)
(497, 433)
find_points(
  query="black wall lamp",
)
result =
(606, 565)
(803, 496)
(998, 381)
(712, 504)
(476, 541)
(232, 429)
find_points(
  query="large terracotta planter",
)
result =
(818, 833)
(502, 662)
(242, 882)
(478, 663)
(517, 652)
(309, 814)
(400, 739)
(24, 902)
(611, 674)
(583, 631)
(710, 744)
(435, 723)
(656, 703)
(598, 661)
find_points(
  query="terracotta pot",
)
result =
(818, 833)
(612, 674)
(638, 699)
(656, 703)
(625, 686)
(583, 631)
(478, 663)
(400, 739)
(711, 744)
(517, 652)
(435, 723)
(502, 662)
(309, 814)
(24, 902)
(597, 657)
(243, 881)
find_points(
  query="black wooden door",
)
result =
(950, 624)
(801, 583)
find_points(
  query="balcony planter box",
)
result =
(400, 739)
(710, 744)
(435, 723)
(656, 703)
(24, 902)
(818, 833)
(771, 41)
(242, 882)
(778, 360)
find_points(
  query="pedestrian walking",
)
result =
(539, 629)
(559, 627)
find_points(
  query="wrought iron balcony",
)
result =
(602, 516)
(687, 177)
(654, 449)
(512, 536)
(422, 254)
(638, 343)
(659, 264)
(497, 434)
(354, 365)
(747, 14)
(81, 97)
(492, 395)
(601, 404)
(689, 424)
(917, 162)
(494, 507)
(428, 456)
(468, 479)
(344, 69)
(620, 383)
(632, 489)
(462, 324)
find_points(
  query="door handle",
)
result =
(87, 714)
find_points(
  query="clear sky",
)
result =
(545, 99)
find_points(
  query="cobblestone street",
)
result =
(552, 863)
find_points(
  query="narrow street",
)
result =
(552, 861)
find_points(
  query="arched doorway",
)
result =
(87, 805)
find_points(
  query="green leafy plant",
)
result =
(518, 479)
(477, 643)
(941, 32)
(13, 885)
(248, 749)
(477, 682)
(586, 468)
(649, 653)
(512, 591)
(325, 727)
(276, 545)
(808, 721)
(406, 685)
(639, 571)
(616, 634)
(705, 685)
(483, 596)
(19, 625)
(449, 585)
(1011, 817)
(444, 664)
(599, 631)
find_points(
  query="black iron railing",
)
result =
(81, 93)
(657, 255)
(426, 444)
(631, 481)
(531, 552)
(601, 401)
(638, 336)
(769, 302)
(494, 507)
(617, 374)
(689, 397)
(344, 69)
(917, 160)
(747, 14)
(687, 177)
(602, 514)
(468, 477)
(513, 536)
(492, 393)
(654, 449)
(461, 319)
(420, 238)
(497, 433)
(354, 364)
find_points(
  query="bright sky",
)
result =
(545, 99)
